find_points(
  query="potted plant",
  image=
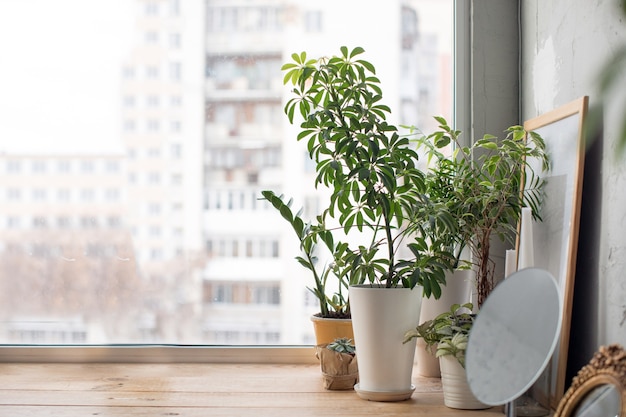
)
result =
(484, 187)
(458, 290)
(339, 364)
(333, 319)
(446, 336)
(378, 200)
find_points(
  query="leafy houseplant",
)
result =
(371, 170)
(309, 234)
(448, 333)
(377, 200)
(484, 187)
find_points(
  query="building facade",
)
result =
(169, 240)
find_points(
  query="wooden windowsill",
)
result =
(217, 389)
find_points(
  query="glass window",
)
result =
(139, 166)
(175, 40)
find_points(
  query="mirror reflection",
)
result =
(602, 401)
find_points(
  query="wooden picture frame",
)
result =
(599, 388)
(555, 238)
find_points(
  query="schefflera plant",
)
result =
(377, 191)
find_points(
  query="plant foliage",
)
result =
(484, 187)
(309, 235)
(448, 333)
(377, 189)
(342, 345)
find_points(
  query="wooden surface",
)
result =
(197, 390)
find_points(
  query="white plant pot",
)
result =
(380, 317)
(456, 391)
(458, 290)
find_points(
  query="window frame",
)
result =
(278, 354)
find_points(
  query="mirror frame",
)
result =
(608, 366)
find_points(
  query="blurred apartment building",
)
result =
(254, 291)
(179, 227)
(64, 253)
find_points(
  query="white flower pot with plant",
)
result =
(377, 201)
(458, 290)
(447, 335)
(381, 316)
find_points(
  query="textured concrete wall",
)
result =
(564, 44)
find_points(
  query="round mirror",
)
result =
(598, 390)
(602, 401)
(513, 336)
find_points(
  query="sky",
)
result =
(60, 66)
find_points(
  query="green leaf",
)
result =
(356, 51)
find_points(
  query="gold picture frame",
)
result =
(599, 388)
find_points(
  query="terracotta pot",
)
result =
(327, 330)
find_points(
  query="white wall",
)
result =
(564, 44)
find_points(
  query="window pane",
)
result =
(135, 138)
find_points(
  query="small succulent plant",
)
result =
(342, 345)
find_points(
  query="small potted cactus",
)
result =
(339, 364)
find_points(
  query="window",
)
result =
(175, 71)
(175, 40)
(63, 222)
(14, 194)
(176, 101)
(149, 190)
(64, 166)
(174, 7)
(13, 166)
(153, 125)
(13, 222)
(39, 167)
(129, 125)
(87, 167)
(152, 72)
(128, 73)
(129, 101)
(112, 194)
(313, 21)
(176, 150)
(152, 8)
(39, 194)
(154, 209)
(152, 101)
(112, 166)
(152, 37)
(63, 195)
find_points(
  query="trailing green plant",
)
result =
(342, 345)
(484, 187)
(448, 333)
(377, 191)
